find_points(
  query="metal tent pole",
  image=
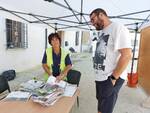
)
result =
(132, 65)
(45, 38)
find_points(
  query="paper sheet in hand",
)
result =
(52, 80)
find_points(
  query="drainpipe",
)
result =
(81, 41)
(45, 38)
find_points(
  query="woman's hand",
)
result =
(59, 78)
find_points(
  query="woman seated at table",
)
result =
(56, 60)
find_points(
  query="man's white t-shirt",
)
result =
(112, 38)
(93, 47)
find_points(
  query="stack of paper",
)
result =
(47, 89)
(49, 99)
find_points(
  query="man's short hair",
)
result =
(98, 10)
(54, 35)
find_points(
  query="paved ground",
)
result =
(129, 100)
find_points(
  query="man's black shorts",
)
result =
(107, 94)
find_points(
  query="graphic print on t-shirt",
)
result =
(100, 53)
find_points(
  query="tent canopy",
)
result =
(69, 14)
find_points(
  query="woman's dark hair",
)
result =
(97, 11)
(53, 35)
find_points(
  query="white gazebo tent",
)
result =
(74, 14)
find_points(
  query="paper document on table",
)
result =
(31, 85)
(70, 90)
(52, 80)
(18, 95)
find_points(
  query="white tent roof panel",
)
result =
(57, 10)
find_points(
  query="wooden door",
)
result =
(144, 60)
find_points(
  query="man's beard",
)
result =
(99, 25)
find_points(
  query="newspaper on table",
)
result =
(70, 90)
(18, 95)
(50, 93)
(49, 99)
(31, 85)
(47, 89)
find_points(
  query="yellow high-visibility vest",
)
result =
(49, 53)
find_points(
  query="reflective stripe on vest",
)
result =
(49, 54)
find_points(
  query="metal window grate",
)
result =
(16, 33)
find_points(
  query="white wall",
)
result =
(132, 35)
(137, 43)
(22, 59)
(70, 36)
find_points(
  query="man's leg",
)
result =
(109, 101)
(104, 89)
(107, 95)
(98, 95)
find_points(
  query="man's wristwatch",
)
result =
(113, 78)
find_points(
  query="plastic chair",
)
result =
(73, 77)
(4, 85)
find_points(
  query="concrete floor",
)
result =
(129, 101)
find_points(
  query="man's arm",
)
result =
(126, 55)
